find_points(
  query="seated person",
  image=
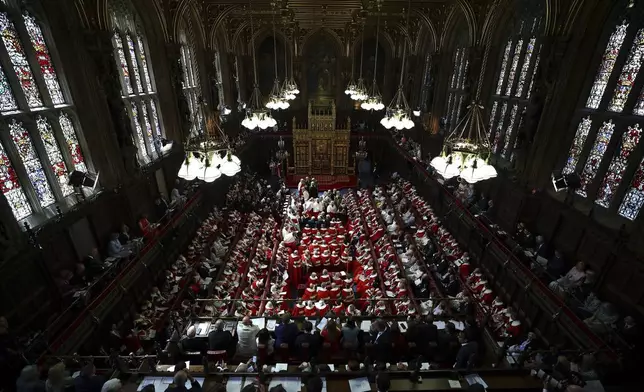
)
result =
(265, 339)
(116, 249)
(307, 336)
(572, 279)
(219, 340)
(190, 343)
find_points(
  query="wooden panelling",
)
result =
(548, 218)
(568, 234)
(594, 249)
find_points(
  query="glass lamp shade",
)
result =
(386, 122)
(476, 169)
(250, 122)
(417, 113)
(235, 159)
(446, 167)
(229, 168)
(210, 173)
(189, 169)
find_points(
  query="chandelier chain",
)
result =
(252, 39)
(362, 49)
(482, 71)
(375, 65)
(402, 69)
(274, 45)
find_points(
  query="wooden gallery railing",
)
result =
(513, 280)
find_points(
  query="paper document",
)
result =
(454, 384)
(280, 367)
(290, 384)
(148, 381)
(260, 322)
(365, 325)
(424, 366)
(459, 325)
(359, 384)
(322, 323)
(439, 324)
(234, 384)
(271, 324)
(475, 378)
(200, 380)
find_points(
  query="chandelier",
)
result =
(281, 153)
(362, 149)
(398, 114)
(277, 99)
(374, 99)
(467, 149)
(208, 153)
(289, 89)
(359, 91)
(256, 115)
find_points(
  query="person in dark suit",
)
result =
(286, 331)
(88, 381)
(191, 343)
(313, 340)
(448, 344)
(465, 353)
(381, 340)
(428, 330)
(453, 286)
(541, 248)
(180, 380)
(218, 339)
(556, 265)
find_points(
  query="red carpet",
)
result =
(325, 182)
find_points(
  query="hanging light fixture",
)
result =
(374, 99)
(257, 117)
(289, 89)
(362, 149)
(277, 99)
(398, 114)
(359, 93)
(466, 151)
(208, 153)
(281, 153)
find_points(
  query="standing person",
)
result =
(246, 334)
(218, 339)
(180, 380)
(88, 381)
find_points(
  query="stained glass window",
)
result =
(44, 59)
(19, 61)
(639, 106)
(630, 139)
(458, 109)
(510, 130)
(155, 119)
(534, 74)
(11, 187)
(513, 155)
(69, 134)
(577, 145)
(606, 67)
(125, 71)
(513, 67)
(30, 159)
(148, 127)
(628, 75)
(139, 131)
(135, 64)
(634, 198)
(7, 101)
(499, 128)
(524, 68)
(495, 105)
(504, 66)
(144, 64)
(54, 155)
(462, 72)
(457, 64)
(595, 157)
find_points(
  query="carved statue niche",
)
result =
(176, 75)
(99, 45)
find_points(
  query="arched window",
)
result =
(39, 137)
(605, 151)
(456, 92)
(190, 81)
(137, 81)
(519, 63)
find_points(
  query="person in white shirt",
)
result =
(246, 335)
(331, 208)
(115, 249)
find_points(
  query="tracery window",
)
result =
(190, 81)
(604, 151)
(137, 87)
(518, 65)
(457, 91)
(39, 138)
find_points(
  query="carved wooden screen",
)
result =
(321, 156)
(340, 160)
(302, 159)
